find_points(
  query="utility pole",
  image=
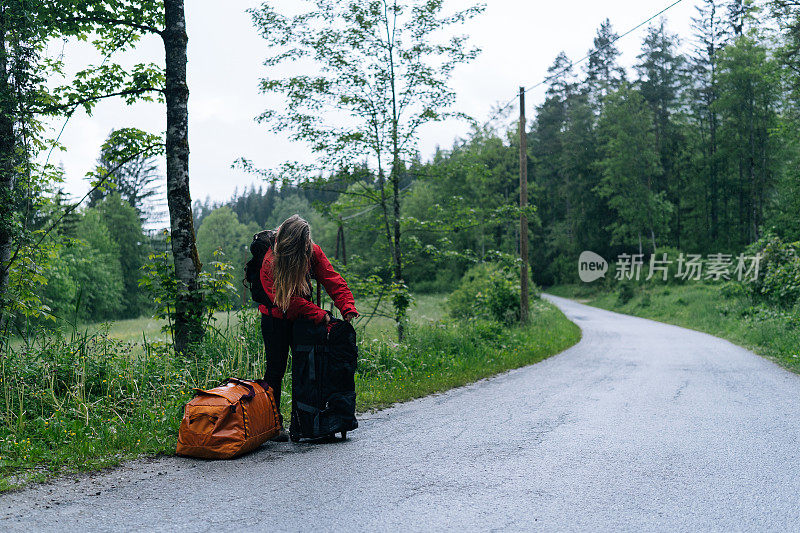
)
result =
(340, 239)
(523, 203)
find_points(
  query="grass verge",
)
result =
(89, 400)
(444, 355)
(718, 309)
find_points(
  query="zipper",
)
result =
(320, 381)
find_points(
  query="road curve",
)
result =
(640, 426)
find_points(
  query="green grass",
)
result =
(426, 308)
(718, 309)
(94, 397)
(441, 356)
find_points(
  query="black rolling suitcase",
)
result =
(323, 380)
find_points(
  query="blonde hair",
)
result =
(292, 262)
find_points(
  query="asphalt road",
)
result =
(641, 426)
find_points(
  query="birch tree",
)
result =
(116, 26)
(379, 71)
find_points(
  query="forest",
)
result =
(694, 149)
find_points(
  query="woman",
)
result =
(286, 277)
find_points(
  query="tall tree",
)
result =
(629, 163)
(188, 314)
(136, 180)
(662, 77)
(603, 72)
(554, 191)
(747, 100)
(580, 153)
(711, 35)
(383, 64)
(117, 26)
(125, 228)
(786, 200)
(27, 179)
(8, 151)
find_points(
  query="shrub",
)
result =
(487, 290)
(444, 282)
(562, 270)
(778, 280)
(646, 301)
(626, 293)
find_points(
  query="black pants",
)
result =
(277, 334)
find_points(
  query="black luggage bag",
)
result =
(323, 380)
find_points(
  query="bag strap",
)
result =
(251, 391)
(270, 397)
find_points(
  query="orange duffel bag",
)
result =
(229, 420)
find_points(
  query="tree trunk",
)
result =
(188, 315)
(713, 179)
(7, 171)
(653, 240)
(384, 207)
(400, 305)
(401, 300)
(340, 245)
(344, 247)
(678, 221)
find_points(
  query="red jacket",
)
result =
(300, 307)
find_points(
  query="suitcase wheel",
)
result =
(344, 435)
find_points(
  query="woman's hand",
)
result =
(350, 316)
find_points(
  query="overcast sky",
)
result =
(519, 39)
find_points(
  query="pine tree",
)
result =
(710, 37)
(747, 101)
(547, 146)
(629, 163)
(136, 180)
(603, 72)
(662, 75)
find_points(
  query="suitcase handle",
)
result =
(250, 395)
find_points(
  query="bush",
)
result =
(778, 280)
(487, 290)
(444, 282)
(561, 270)
(626, 293)
(646, 301)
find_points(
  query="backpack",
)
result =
(262, 242)
(229, 420)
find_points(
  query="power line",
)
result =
(584, 58)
